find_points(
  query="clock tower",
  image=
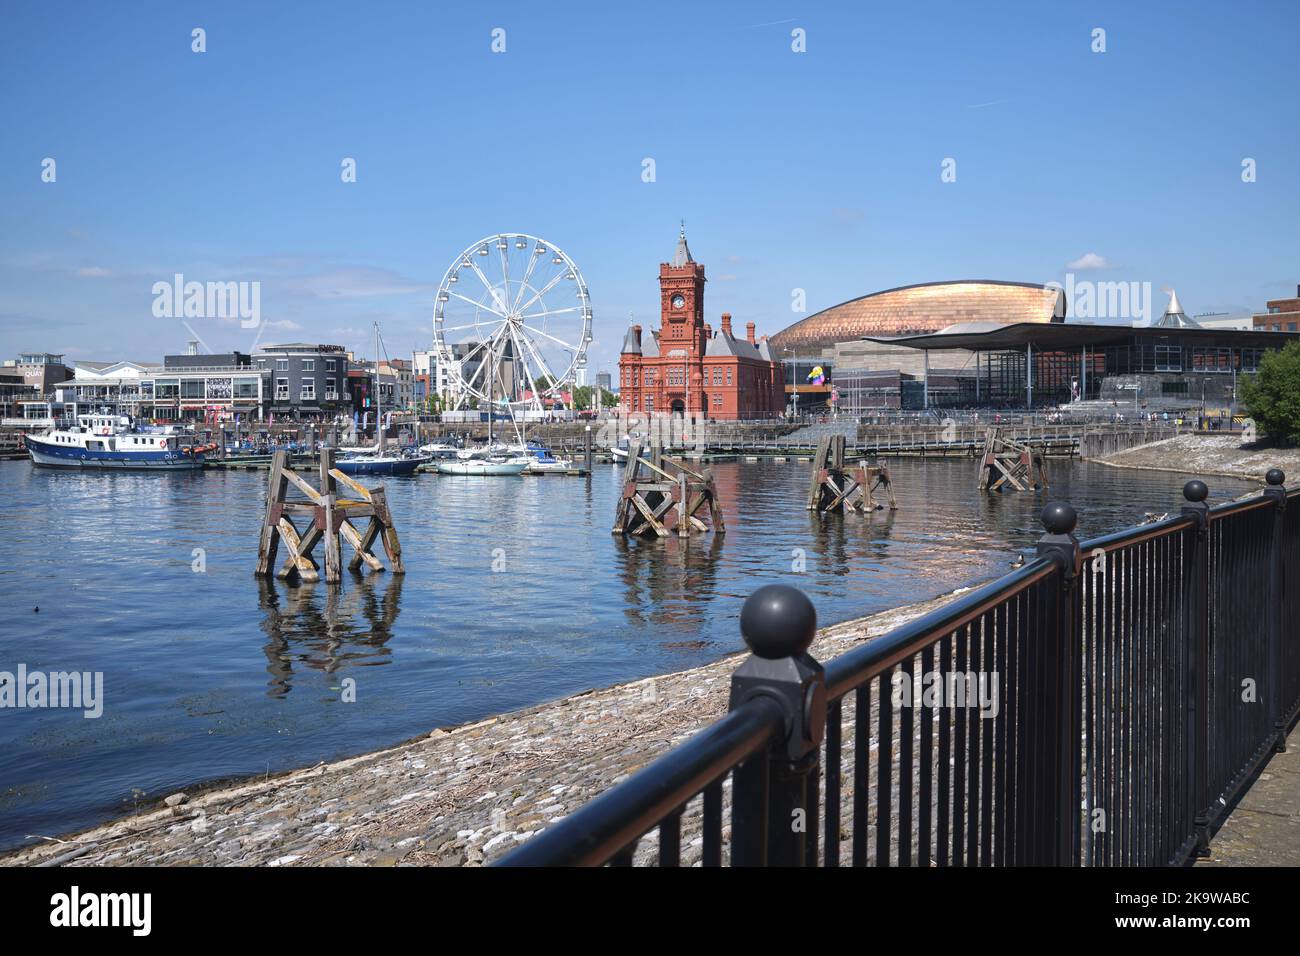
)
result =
(681, 303)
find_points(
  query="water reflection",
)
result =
(669, 580)
(846, 543)
(322, 628)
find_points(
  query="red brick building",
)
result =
(687, 367)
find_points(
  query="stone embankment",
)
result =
(1207, 455)
(461, 796)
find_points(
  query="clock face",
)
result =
(679, 301)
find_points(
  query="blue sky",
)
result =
(817, 171)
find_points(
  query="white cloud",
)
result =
(356, 282)
(1088, 260)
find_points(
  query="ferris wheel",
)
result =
(512, 322)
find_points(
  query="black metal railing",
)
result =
(1101, 706)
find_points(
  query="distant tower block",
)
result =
(1010, 463)
(662, 493)
(836, 488)
(329, 518)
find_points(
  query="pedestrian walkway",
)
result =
(1264, 828)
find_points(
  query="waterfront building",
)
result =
(42, 370)
(398, 372)
(183, 387)
(1172, 363)
(686, 367)
(1282, 315)
(307, 379)
(14, 390)
(604, 381)
(906, 310)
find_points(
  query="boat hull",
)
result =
(404, 466)
(47, 455)
(480, 468)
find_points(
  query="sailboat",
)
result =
(377, 461)
(489, 460)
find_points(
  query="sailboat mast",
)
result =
(379, 396)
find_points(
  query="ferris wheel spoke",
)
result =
(543, 290)
(461, 328)
(482, 278)
(559, 342)
(541, 361)
(528, 372)
(545, 312)
(505, 273)
(523, 286)
(487, 361)
(477, 305)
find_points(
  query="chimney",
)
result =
(726, 324)
(749, 332)
(636, 330)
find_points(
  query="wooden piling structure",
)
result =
(837, 487)
(1006, 462)
(662, 493)
(327, 517)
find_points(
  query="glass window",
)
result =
(330, 365)
(309, 365)
(282, 365)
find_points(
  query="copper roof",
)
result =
(918, 309)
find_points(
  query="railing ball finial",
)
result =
(1059, 517)
(1275, 476)
(778, 621)
(1196, 490)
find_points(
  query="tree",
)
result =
(1272, 397)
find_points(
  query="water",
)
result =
(217, 674)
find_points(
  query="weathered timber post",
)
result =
(1196, 605)
(326, 511)
(269, 544)
(1057, 635)
(774, 809)
(1276, 492)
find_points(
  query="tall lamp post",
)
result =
(794, 380)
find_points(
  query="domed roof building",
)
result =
(918, 309)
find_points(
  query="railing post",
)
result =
(1196, 615)
(1276, 491)
(1058, 637)
(774, 807)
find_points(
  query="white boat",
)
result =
(112, 442)
(482, 466)
(560, 465)
(438, 450)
